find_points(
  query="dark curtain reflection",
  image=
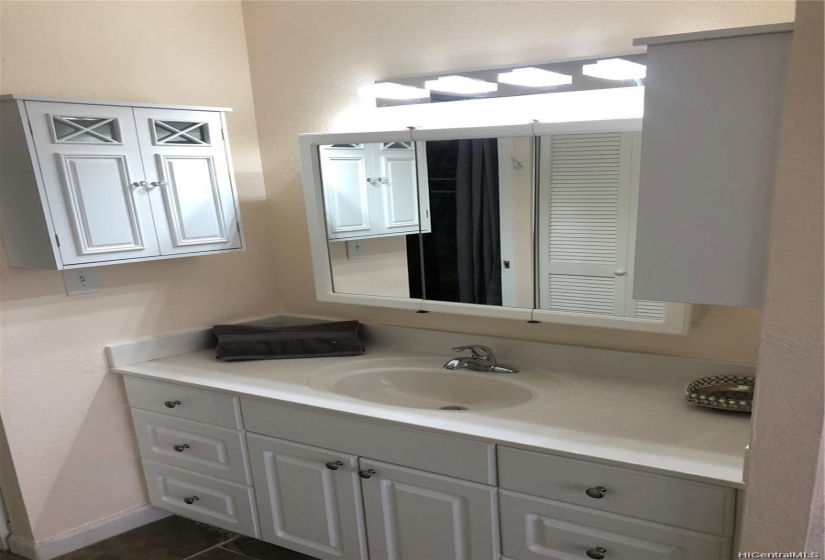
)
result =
(477, 222)
(462, 255)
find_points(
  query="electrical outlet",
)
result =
(81, 281)
(356, 249)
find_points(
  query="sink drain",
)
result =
(453, 407)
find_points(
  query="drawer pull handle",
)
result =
(333, 465)
(596, 492)
(597, 553)
(171, 404)
(191, 500)
(366, 473)
(181, 448)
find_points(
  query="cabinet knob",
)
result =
(620, 272)
(180, 448)
(159, 183)
(596, 492)
(192, 499)
(366, 473)
(597, 553)
(171, 404)
(333, 465)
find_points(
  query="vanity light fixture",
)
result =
(615, 69)
(460, 84)
(390, 90)
(534, 77)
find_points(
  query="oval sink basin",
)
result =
(420, 383)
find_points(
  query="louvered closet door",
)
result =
(190, 185)
(89, 158)
(587, 224)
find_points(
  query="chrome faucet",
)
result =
(481, 359)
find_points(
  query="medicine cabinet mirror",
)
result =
(533, 222)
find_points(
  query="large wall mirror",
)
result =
(533, 222)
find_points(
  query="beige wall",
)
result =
(309, 58)
(382, 271)
(787, 427)
(65, 416)
(521, 228)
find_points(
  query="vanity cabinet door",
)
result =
(308, 498)
(413, 515)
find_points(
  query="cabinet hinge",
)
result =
(223, 135)
(31, 128)
(238, 226)
(56, 238)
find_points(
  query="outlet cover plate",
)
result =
(81, 281)
(356, 249)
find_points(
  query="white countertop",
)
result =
(627, 421)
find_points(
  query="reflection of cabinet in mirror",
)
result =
(372, 190)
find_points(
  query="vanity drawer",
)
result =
(184, 402)
(468, 460)
(539, 529)
(220, 503)
(192, 445)
(693, 505)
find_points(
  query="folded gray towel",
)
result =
(246, 342)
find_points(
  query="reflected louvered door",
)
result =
(584, 223)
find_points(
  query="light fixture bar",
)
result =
(534, 77)
(460, 84)
(390, 90)
(615, 69)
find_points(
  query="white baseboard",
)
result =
(87, 534)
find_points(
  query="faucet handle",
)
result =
(478, 351)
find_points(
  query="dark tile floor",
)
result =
(176, 538)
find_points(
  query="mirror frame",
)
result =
(678, 316)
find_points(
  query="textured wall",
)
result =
(65, 416)
(787, 425)
(307, 80)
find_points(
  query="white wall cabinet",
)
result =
(89, 184)
(336, 487)
(373, 190)
(713, 104)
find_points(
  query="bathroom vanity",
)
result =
(592, 454)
